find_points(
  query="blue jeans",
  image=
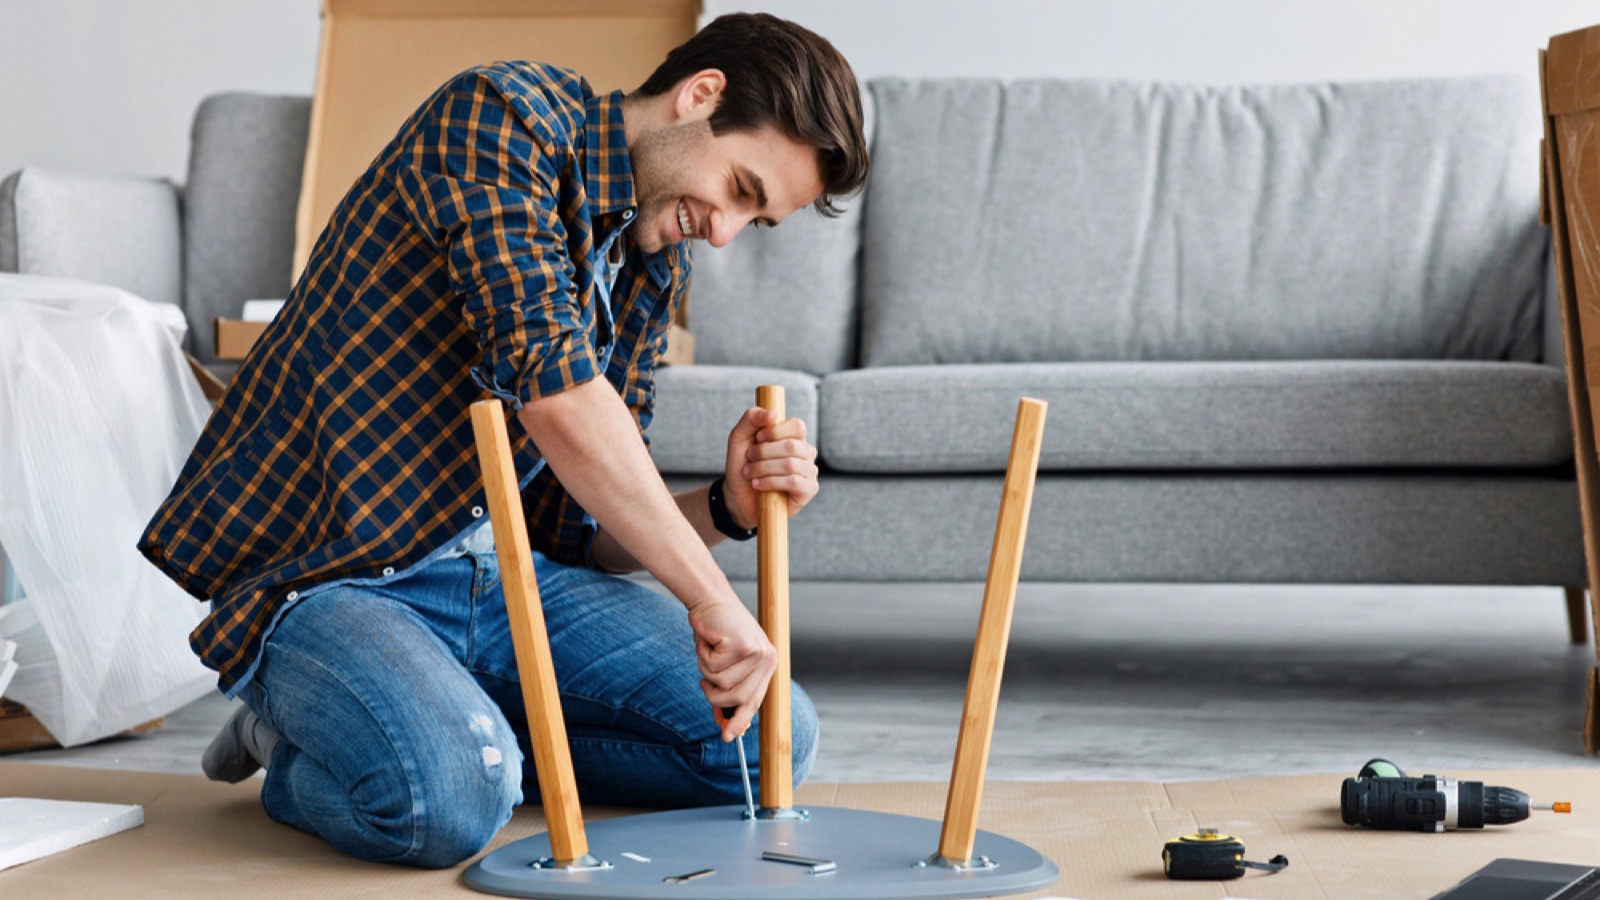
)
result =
(404, 737)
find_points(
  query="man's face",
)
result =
(691, 184)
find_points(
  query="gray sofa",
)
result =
(1287, 334)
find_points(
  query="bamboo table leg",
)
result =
(772, 588)
(547, 730)
(989, 650)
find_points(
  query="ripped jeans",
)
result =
(404, 738)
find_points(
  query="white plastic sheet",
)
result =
(98, 411)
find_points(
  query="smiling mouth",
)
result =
(685, 224)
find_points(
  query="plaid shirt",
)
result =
(464, 260)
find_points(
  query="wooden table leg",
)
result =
(772, 590)
(547, 729)
(994, 632)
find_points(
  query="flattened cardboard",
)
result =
(203, 839)
(379, 59)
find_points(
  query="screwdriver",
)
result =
(744, 766)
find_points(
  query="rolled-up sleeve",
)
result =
(478, 182)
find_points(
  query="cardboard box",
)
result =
(19, 730)
(379, 60)
(680, 347)
(235, 337)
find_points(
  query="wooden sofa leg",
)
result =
(1577, 616)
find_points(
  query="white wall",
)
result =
(1207, 41)
(110, 85)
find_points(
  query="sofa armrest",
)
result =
(116, 230)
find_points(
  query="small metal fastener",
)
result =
(477, 512)
(782, 814)
(587, 863)
(388, 570)
(816, 864)
(689, 876)
(942, 861)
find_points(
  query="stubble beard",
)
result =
(661, 162)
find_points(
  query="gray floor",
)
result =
(1149, 682)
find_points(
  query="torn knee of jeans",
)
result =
(483, 726)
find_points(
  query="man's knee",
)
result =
(457, 798)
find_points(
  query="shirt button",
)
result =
(627, 215)
(388, 570)
(477, 512)
(294, 595)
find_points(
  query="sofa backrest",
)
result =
(246, 154)
(1081, 220)
(780, 298)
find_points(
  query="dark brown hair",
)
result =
(783, 75)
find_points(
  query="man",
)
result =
(525, 237)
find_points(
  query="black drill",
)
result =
(1382, 796)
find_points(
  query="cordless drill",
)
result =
(1382, 796)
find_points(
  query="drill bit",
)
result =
(744, 769)
(744, 772)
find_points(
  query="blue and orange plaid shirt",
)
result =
(464, 260)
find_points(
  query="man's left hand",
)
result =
(765, 454)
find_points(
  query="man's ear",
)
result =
(699, 94)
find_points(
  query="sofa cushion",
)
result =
(1175, 527)
(111, 229)
(245, 159)
(696, 406)
(1045, 221)
(1246, 415)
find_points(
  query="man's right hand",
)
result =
(736, 660)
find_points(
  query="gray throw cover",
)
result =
(1053, 221)
(245, 162)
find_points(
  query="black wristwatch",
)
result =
(720, 516)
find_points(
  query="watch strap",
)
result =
(721, 518)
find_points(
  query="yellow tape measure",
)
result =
(1207, 855)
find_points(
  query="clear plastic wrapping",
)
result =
(98, 411)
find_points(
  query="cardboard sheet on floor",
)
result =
(204, 840)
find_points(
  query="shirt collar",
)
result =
(608, 170)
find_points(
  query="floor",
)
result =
(1148, 682)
